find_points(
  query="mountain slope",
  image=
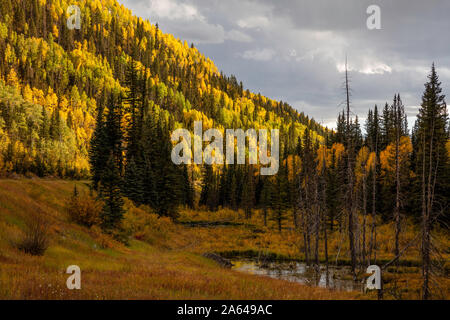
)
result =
(53, 79)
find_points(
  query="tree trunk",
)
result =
(364, 216)
(316, 223)
(373, 233)
(350, 203)
(397, 182)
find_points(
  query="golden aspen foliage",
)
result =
(362, 164)
(387, 156)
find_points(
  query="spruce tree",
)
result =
(110, 192)
(98, 149)
(280, 198)
(207, 195)
(106, 166)
(266, 198)
(248, 192)
(188, 189)
(166, 174)
(432, 166)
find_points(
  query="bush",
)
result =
(36, 240)
(145, 225)
(84, 209)
(103, 240)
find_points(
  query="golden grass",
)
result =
(251, 237)
(168, 267)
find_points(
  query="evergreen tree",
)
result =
(98, 151)
(166, 174)
(432, 166)
(44, 131)
(280, 198)
(188, 189)
(248, 192)
(149, 158)
(106, 166)
(110, 192)
(266, 198)
(208, 194)
(134, 187)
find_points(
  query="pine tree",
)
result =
(133, 186)
(110, 192)
(280, 198)
(166, 175)
(266, 198)
(44, 131)
(432, 165)
(248, 192)
(207, 196)
(98, 150)
(106, 156)
(224, 186)
(188, 189)
(149, 157)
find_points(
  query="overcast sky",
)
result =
(295, 50)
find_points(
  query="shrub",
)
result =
(36, 240)
(145, 225)
(84, 209)
(103, 240)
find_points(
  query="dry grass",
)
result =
(164, 259)
(252, 238)
(35, 241)
(167, 267)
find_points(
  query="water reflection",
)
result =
(337, 278)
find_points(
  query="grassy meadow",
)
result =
(164, 259)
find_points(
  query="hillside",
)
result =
(53, 80)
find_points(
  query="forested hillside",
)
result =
(54, 79)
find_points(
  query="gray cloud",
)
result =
(295, 50)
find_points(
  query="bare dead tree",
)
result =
(324, 208)
(397, 129)
(303, 218)
(350, 193)
(373, 232)
(316, 212)
(364, 210)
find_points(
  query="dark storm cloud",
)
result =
(295, 50)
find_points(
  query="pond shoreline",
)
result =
(337, 278)
(277, 257)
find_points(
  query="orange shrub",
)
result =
(84, 210)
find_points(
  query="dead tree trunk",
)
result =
(397, 177)
(301, 206)
(316, 222)
(373, 232)
(324, 208)
(427, 203)
(350, 202)
(364, 214)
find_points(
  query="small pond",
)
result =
(337, 278)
